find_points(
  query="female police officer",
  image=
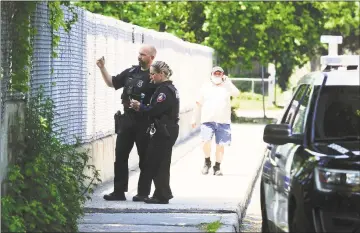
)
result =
(163, 112)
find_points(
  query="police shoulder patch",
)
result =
(161, 97)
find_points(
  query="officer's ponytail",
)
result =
(160, 66)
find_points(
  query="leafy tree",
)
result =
(286, 33)
(291, 37)
(342, 18)
(183, 19)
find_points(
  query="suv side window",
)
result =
(299, 120)
(292, 110)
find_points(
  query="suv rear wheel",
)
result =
(264, 225)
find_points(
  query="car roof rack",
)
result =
(342, 62)
(333, 61)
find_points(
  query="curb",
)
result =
(227, 228)
(250, 190)
(157, 211)
(242, 207)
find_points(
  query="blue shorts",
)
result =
(222, 132)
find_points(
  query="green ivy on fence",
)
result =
(47, 181)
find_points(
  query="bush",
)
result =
(46, 181)
(249, 96)
(236, 101)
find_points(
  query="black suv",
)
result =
(310, 179)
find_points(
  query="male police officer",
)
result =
(137, 85)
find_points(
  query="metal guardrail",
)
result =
(252, 80)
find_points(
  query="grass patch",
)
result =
(244, 120)
(256, 105)
(252, 101)
(211, 227)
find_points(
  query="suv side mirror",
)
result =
(279, 134)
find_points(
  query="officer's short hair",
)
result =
(151, 49)
(160, 66)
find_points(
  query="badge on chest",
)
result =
(139, 83)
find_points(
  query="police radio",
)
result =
(129, 92)
(142, 97)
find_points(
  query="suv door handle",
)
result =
(266, 180)
(277, 155)
(273, 163)
(269, 146)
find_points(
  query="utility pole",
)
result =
(263, 90)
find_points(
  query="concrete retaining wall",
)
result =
(10, 136)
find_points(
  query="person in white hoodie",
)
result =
(213, 102)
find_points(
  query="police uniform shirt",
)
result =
(165, 101)
(135, 82)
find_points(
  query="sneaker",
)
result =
(115, 197)
(206, 169)
(217, 171)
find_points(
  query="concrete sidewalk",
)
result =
(198, 199)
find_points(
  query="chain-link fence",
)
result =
(84, 104)
(5, 56)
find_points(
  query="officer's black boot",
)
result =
(139, 198)
(118, 194)
(144, 186)
(115, 196)
(155, 200)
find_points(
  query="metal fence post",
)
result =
(263, 89)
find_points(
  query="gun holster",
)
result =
(117, 118)
(161, 128)
(122, 121)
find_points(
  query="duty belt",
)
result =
(151, 129)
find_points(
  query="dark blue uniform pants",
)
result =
(134, 132)
(157, 167)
